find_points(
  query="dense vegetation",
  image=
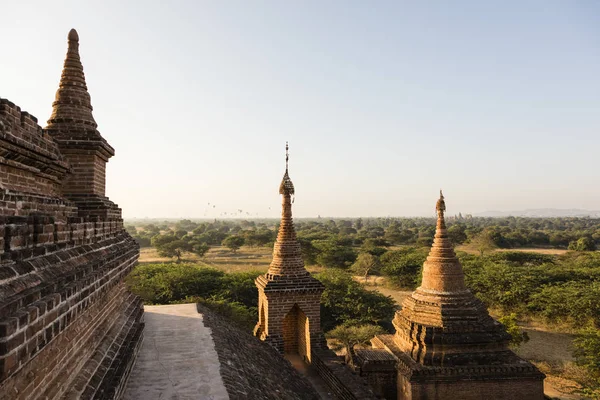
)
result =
(343, 301)
(325, 235)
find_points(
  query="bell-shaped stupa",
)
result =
(446, 344)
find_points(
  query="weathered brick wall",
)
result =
(511, 389)
(30, 161)
(68, 326)
(274, 308)
(88, 174)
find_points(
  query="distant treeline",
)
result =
(508, 232)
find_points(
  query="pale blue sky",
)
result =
(383, 103)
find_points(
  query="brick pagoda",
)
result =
(446, 345)
(288, 296)
(69, 328)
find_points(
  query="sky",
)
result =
(383, 103)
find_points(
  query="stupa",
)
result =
(446, 344)
(288, 296)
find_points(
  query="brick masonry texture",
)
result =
(68, 326)
(250, 368)
(446, 345)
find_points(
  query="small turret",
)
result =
(288, 296)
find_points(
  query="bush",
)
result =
(587, 354)
(403, 267)
(585, 243)
(239, 287)
(334, 254)
(518, 337)
(166, 283)
(346, 301)
(244, 317)
(575, 302)
(350, 335)
(174, 283)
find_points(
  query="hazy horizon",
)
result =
(382, 103)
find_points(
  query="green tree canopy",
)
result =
(233, 242)
(585, 243)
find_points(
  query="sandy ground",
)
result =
(246, 258)
(468, 249)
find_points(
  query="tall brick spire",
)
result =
(72, 106)
(288, 296)
(287, 256)
(73, 128)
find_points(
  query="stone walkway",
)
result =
(177, 360)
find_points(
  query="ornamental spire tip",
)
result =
(73, 36)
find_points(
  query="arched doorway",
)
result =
(296, 333)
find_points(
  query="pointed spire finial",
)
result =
(286, 187)
(287, 156)
(440, 206)
(73, 36)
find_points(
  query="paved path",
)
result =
(177, 360)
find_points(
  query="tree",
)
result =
(173, 248)
(365, 263)
(483, 242)
(457, 234)
(370, 246)
(358, 224)
(233, 242)
(349, 336)
(585, 243)
(402, 267)
(151, 229)
(333, 254)
(200, 249)
(160, 240)
(180, 233)
(309, 252)
(347, 301)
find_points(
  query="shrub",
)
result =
(346, 301)
(403, 267)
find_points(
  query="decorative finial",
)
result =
(286, 187)
(440, 206)
(73, 36)
(287, 156)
